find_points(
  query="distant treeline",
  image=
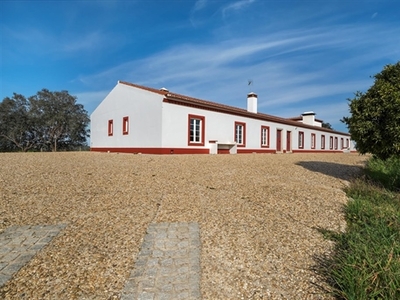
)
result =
(47, 121)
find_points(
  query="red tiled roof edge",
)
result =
(228, 108)
(160, 92)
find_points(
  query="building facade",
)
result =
(138, 119)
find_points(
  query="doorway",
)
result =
(288, 141)
(279, 140)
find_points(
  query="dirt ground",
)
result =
(258, 216)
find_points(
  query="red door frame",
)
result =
(278, 140)
(288, 141)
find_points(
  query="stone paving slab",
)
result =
(168, 264)
(18, 244)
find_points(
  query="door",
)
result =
(288, 141)
(279, 140)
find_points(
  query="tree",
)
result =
(327, 125)
(61, 121)
(45, 121)
(15, 124)
(374, 123)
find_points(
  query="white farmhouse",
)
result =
(138, 119)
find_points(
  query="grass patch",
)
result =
(366, 260)
(386, 173)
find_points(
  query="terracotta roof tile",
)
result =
(209, 105)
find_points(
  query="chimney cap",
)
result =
(163, 89)
(308, 113)
(251, 94)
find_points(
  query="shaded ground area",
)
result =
(334, 169)
(257, 215)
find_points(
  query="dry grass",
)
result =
(257, 215)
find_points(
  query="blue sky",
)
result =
(300, 55)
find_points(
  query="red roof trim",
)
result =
(213, 106)
(160, 92)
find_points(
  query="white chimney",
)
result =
(252, 102)
(308, 117)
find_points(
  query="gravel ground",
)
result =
(258, 215)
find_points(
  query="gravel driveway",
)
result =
(258, 215)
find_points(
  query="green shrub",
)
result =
(385, 172)
(366, 259)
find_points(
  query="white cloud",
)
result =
(291, 70)
(236, 6)
(43, 42)
(199, 5)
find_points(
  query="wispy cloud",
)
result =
(278, 63)
(43, 42)
(199, 5)
(236, 6)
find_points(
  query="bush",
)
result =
(366, 260)
(386, 172)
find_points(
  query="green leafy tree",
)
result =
(16, 126)
(327, 125)
(62, 122)
(46, 121)
(374, 123)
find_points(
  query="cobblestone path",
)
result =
(18, 244)
(168, 264)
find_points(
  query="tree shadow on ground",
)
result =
(337, 170)
(323, 279)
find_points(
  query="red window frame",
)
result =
(331, 142)
(243, 143)
(322, 141)
(202, 130)
(313, 140)
(125, 125)
(110, 127)
(301, 140)
(266, 128)
(336, 143)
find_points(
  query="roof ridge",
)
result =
(144, 87)
(216, 105)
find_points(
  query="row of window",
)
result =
(333, 142)
(196, 130)
(125, 126)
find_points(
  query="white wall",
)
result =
(157, 124)
(144, 111)
(220, 127)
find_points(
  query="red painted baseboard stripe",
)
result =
(197, 150)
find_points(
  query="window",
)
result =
(240, 134)
(265, 136)
(125, 125)
(322, 141)
(196, 130)
(341, 143)
(331, 142)
(336, 143)
(301, 139)
(347, 143)
(110, 127)
(312, 140)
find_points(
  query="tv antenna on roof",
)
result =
(249, 84)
